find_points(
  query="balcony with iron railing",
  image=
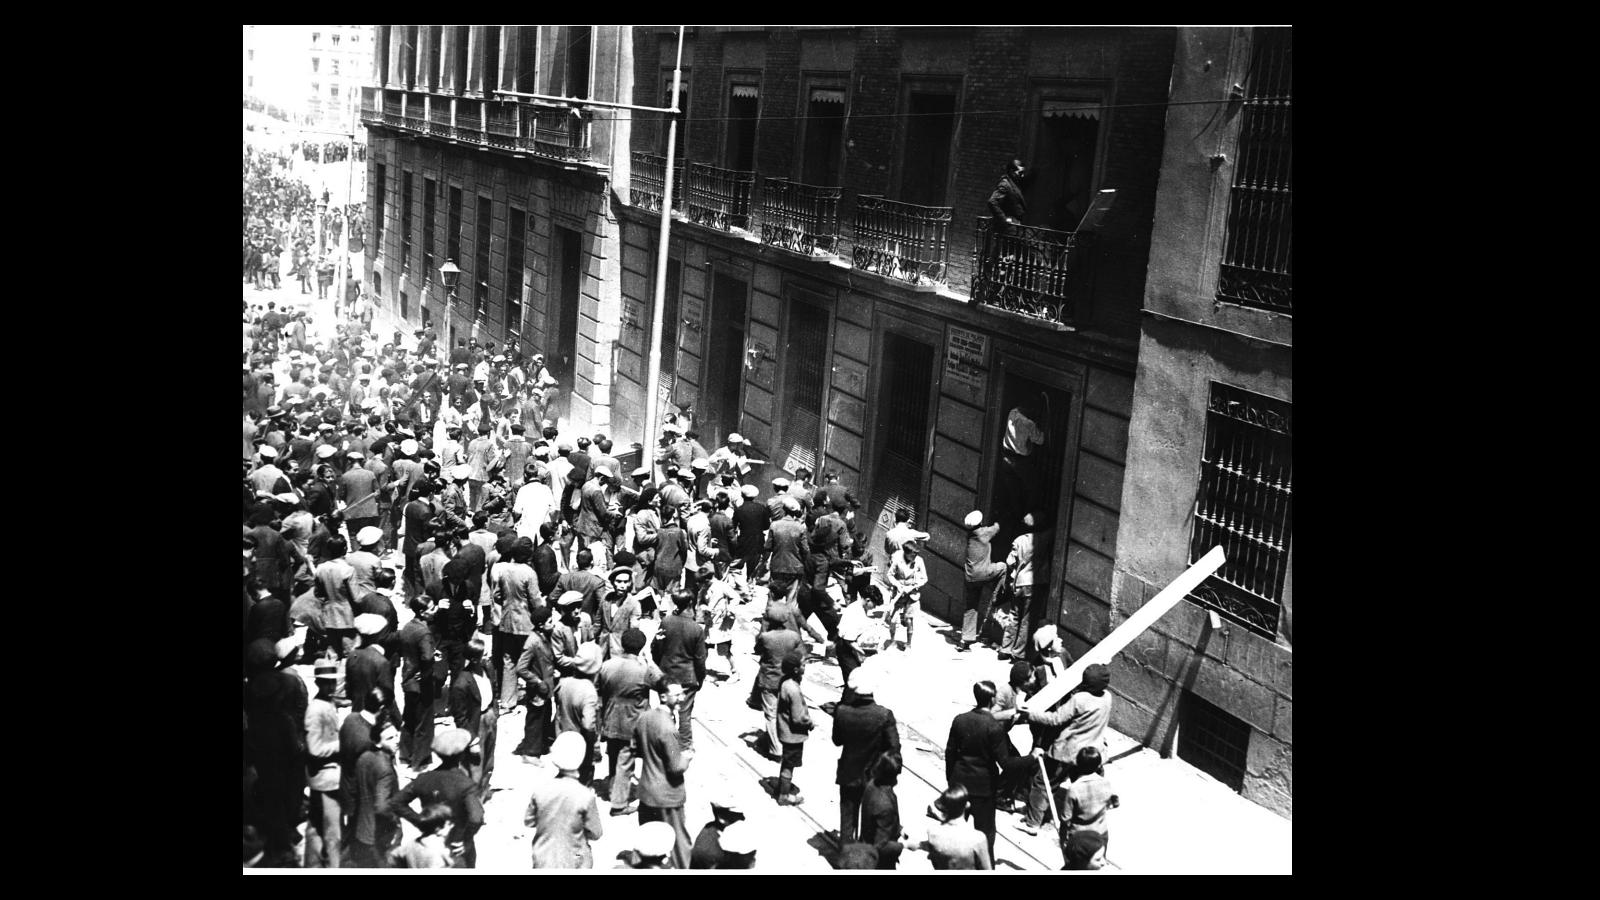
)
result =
(1029, 271)
(439, 116)
(557, 133)
(500, 125)
(469, 120)
(370, 110)
(720, 198)
(902, 241)
(392, 110)
(803, 218)
(649, 182)
(554, 133)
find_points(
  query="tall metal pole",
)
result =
(653, 371)
(339, 277)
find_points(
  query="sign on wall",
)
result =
(966, 355)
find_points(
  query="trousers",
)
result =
(620, 753)
(416, 723)
(979, 594)
(849, 812)
(324, 834)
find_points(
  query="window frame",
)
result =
(927, 84)
(732, 78)
(1075, 90)
(822, 80)
(685, 88)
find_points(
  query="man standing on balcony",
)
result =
(1007, 205)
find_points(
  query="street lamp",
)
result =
(450, 274)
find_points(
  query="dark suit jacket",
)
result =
(976, 752)
(680, 650)
(416, 646)
(355, 738)
(772, 647)
(753, 518)
(466, 704)
(789, 545)
(863, 729)
(549, 571)
(365, 669)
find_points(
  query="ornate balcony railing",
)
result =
(1027, 270)
(720, 198)
(901, 240)
(469, 121)
(649, 182)
(500, 125)
(391, 109)
(371, 111)
(555, 133)
(799, 217)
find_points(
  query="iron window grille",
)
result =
(1245, 504)
(1257, 261)
(1212, 741)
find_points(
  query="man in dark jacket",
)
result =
(536, 669)
(975, 755)
(661, 793)
(376, 828)
(624, 684)
(473, 708)
(1006, 204)
(751, 518)
(367, 668)
(862, 729)
(418, 656)
(451, 785)
(789, 546)
(680, 651)
(275, 710)
(772, 645)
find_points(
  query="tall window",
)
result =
(429, 190)
(1066, 142)
(379, 203)
(930, 129)
(578, 44)
(804, 382)
(405, 221)
(480, 300)
(739, 151)
(1245, 504)
(824, 135)
(514, 254)
(405, 305)
(670, 319)
(1257, 262)
(452, 232)
(683, 119)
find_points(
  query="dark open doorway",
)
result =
(562, 358)
(902, 433)
(1031, 482)
(724, 359)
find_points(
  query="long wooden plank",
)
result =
(1124, 634)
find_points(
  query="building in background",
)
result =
(519, 195)
(1210, 459)
(339, 64)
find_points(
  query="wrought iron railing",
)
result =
(469, 121)
(902, 240)
(649, 182)
(555, 133)
(720, 198)
(1028, 270)
(799, 217)
(391, 109)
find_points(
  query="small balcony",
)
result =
(439, 116)
(903, 241)
(1029, 271)
(392, 110)
(803, 218)
(555, 133)
(548, 133)
(500, 125)
(416, 111)
(720, 198)
(469, 121)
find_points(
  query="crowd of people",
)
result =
(331, 151)
(418, 530)
(280, 217)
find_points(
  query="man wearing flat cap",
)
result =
(451, 785)
(367, 667)
(358, 490)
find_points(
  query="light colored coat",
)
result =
(565, 817)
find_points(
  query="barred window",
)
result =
(429, 190)
(514, 273)
(1244, 504)
(380, 202)
(1257, 260)
(480, 301)
(405, 221)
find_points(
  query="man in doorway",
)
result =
(982, 577)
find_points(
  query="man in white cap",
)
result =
(661, 775)
(862, 729)
(563, 812)
(482, 454)
(454, 495)
(1015, 613)
(983, 576)
(268, 477)
(751, 519)
(368, 668)
(364, 560)
(535, 503)
(651, 848)
(732, 459)
(451, 784)
(577, 707)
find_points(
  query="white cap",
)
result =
(567, 752)
(568, 598)
(408, 447)
(461, 472)
(864, 682)
(370, 623)
(973, 519)
(736, 438)
(268, 452)
(326, 451)
(654, 838)
(739, 837)
(780, 482)
(369, 535)
(750, 491)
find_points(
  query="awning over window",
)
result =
(744, 90)
(826, 95)
(1070, 109)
